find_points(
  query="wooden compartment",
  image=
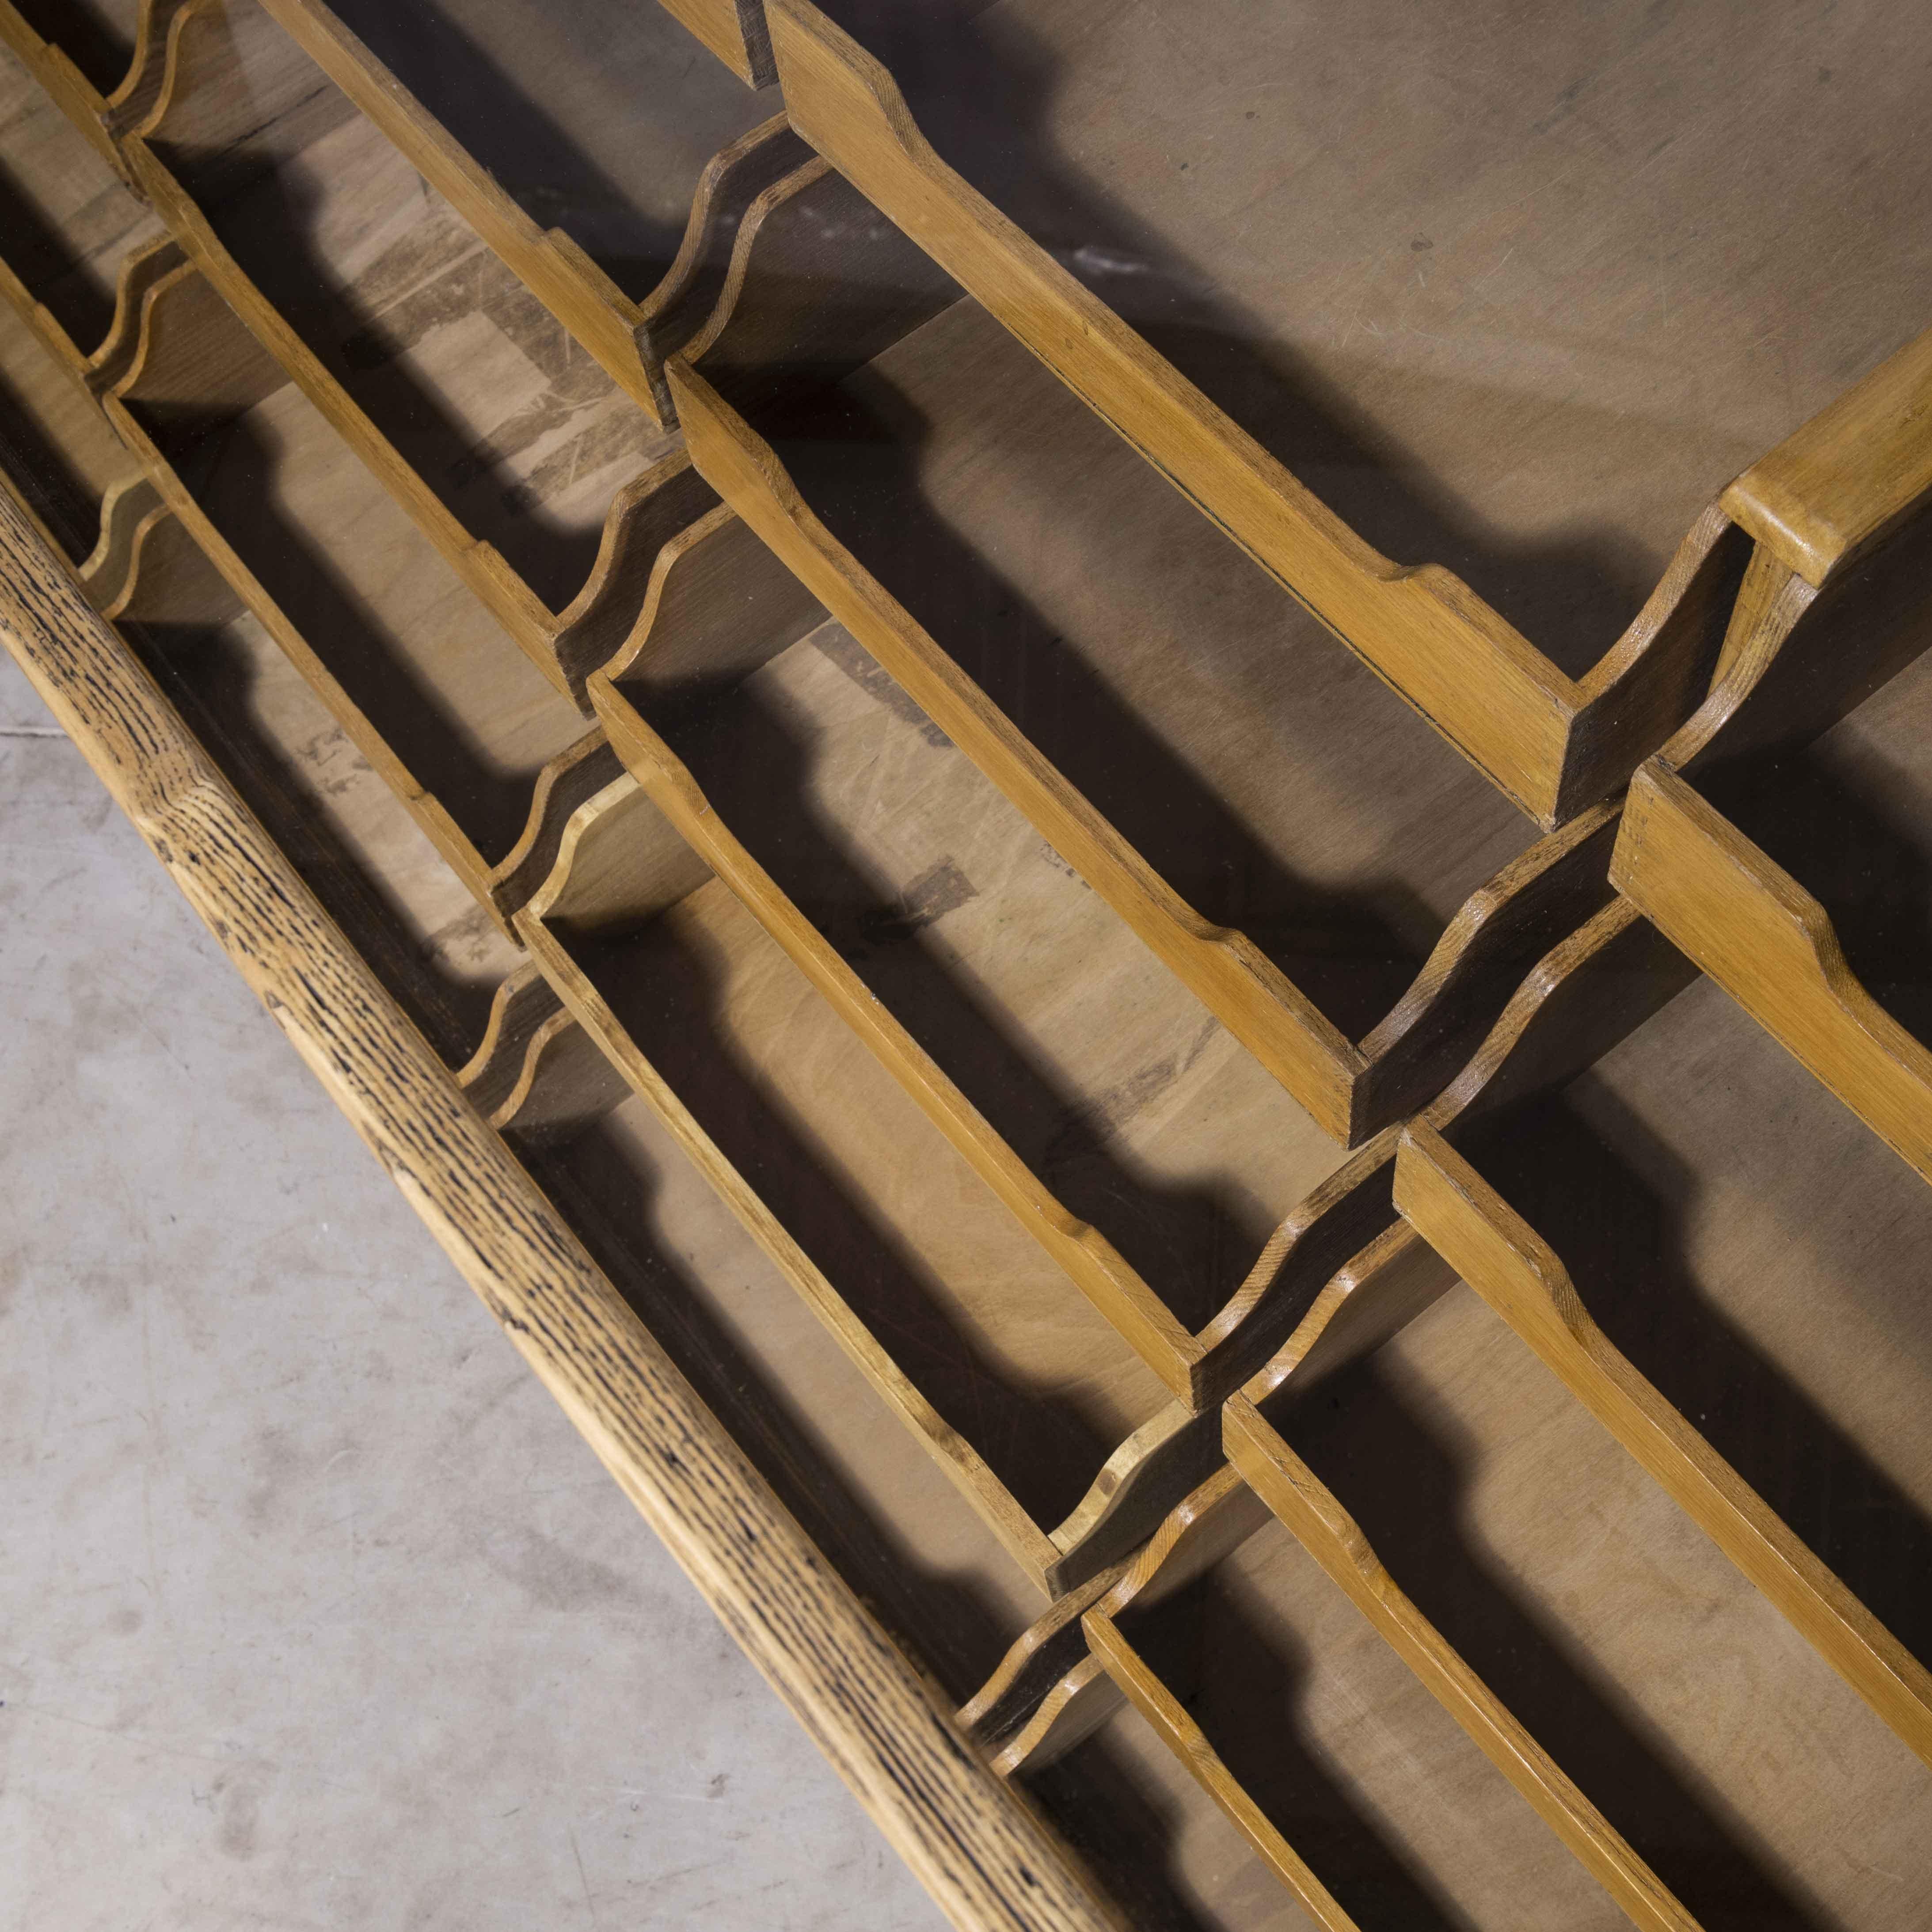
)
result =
(1304, 855)
(594, 145)
(506, 441)
(1322, 360)
(989, 982)
(427, 687)
(982, 1351)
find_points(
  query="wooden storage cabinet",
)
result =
(1180, 1254)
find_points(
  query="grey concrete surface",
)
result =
(314, 1612)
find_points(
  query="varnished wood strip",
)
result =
(647, 513)
(983, 1855)
(106, 571)
(1069, 1715)
(1043, 1655)
(141, 269)
(1772, 947)
(1334, 1538)
(1851, 475)
(1498, 932)
(618, 861)
(729, 189)
(169, 579)
(1169, 1718)
(1160, 1462)
(1087, 1257)
(1500, 1256)
(133, 100)
(1339, 1216)
(575, 775)
(521, 1003)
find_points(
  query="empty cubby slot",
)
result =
(462, 708)
(1000, 1343)
(1271, 780)
(884, 1513)
(596, 117)
(1457, 331)
(1621, 1639)
(355, 844)
(1317, 1722)
(67, 219)
(1756, 1254)
(519, 433)
(1131, 1104)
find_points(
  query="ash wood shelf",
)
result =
(740, 653)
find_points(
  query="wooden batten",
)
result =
(1493, 1249)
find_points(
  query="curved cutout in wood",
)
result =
(237, 88)
(1031, 1704)
(536, 1073)
(630, 340)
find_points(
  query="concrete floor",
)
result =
(314, 1612)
